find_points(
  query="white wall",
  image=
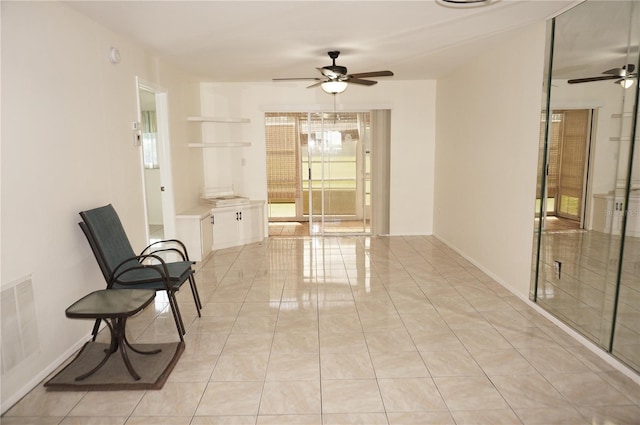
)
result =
(486, 156)
(412, 105)
(67, 146)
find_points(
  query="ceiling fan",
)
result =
(623, 76)
(335, 78)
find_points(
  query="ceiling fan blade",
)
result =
(316, 84)
(372, 74)
(297, 79)
(590, 79)
(621, 72)
(360, 81)
(614, 71)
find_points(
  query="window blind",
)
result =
(283, 156)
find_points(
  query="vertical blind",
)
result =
(567, 156)
(572, 161)
(283, 156)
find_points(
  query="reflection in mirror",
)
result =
(586, 257)
(626, 338)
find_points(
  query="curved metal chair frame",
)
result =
(121, 267)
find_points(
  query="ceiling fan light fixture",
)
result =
(626, 82)
(465, 1)
(334, 87)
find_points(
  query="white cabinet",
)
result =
(238, 225)
(195, 230)
(225, 228)
(609, 210)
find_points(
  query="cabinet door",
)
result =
(251, 224)
(189, 232)
(225, 228)
(206, 236)
(633, 218)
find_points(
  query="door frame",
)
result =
(359, 177)
(585, 207)
(380, 138)
(164, 157)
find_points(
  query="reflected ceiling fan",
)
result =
(335, 78)
(623, 76)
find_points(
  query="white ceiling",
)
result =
(597, 36)
(260, 40)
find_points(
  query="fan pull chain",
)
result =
(334, 108)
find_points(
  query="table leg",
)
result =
(120, 343)
(121, 339)
(112, 348)
(126, 341)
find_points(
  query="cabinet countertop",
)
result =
(234, 207)
(199, 211)
(202, 210)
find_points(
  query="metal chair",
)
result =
(123, 268)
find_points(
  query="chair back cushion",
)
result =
(96, 252)
(107, 237)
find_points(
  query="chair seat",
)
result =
(178, 273)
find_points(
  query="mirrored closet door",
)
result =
(586, 265)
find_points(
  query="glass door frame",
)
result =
(362, 174)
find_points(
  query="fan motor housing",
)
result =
(336, 69)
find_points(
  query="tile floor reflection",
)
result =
(354, 330)
(582, 292)
(333, 227)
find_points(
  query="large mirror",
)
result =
(586, 265)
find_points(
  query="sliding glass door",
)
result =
(337, 187)
(319, 171)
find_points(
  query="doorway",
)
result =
(567, 169)
(319, 173)
(153, 134)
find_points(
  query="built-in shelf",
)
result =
(226, 120)
(625, 115)
(219, 145)
(622, 122)
(622, 139)
(219, 119)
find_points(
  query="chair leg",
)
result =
(196, 295)
(175, 310)
(96, 328)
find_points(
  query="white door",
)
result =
(156, 161)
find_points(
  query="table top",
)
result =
(111, 303)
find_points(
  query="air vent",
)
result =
(19, 324)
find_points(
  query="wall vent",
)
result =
(19, 325)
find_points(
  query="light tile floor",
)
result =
(354, 330)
